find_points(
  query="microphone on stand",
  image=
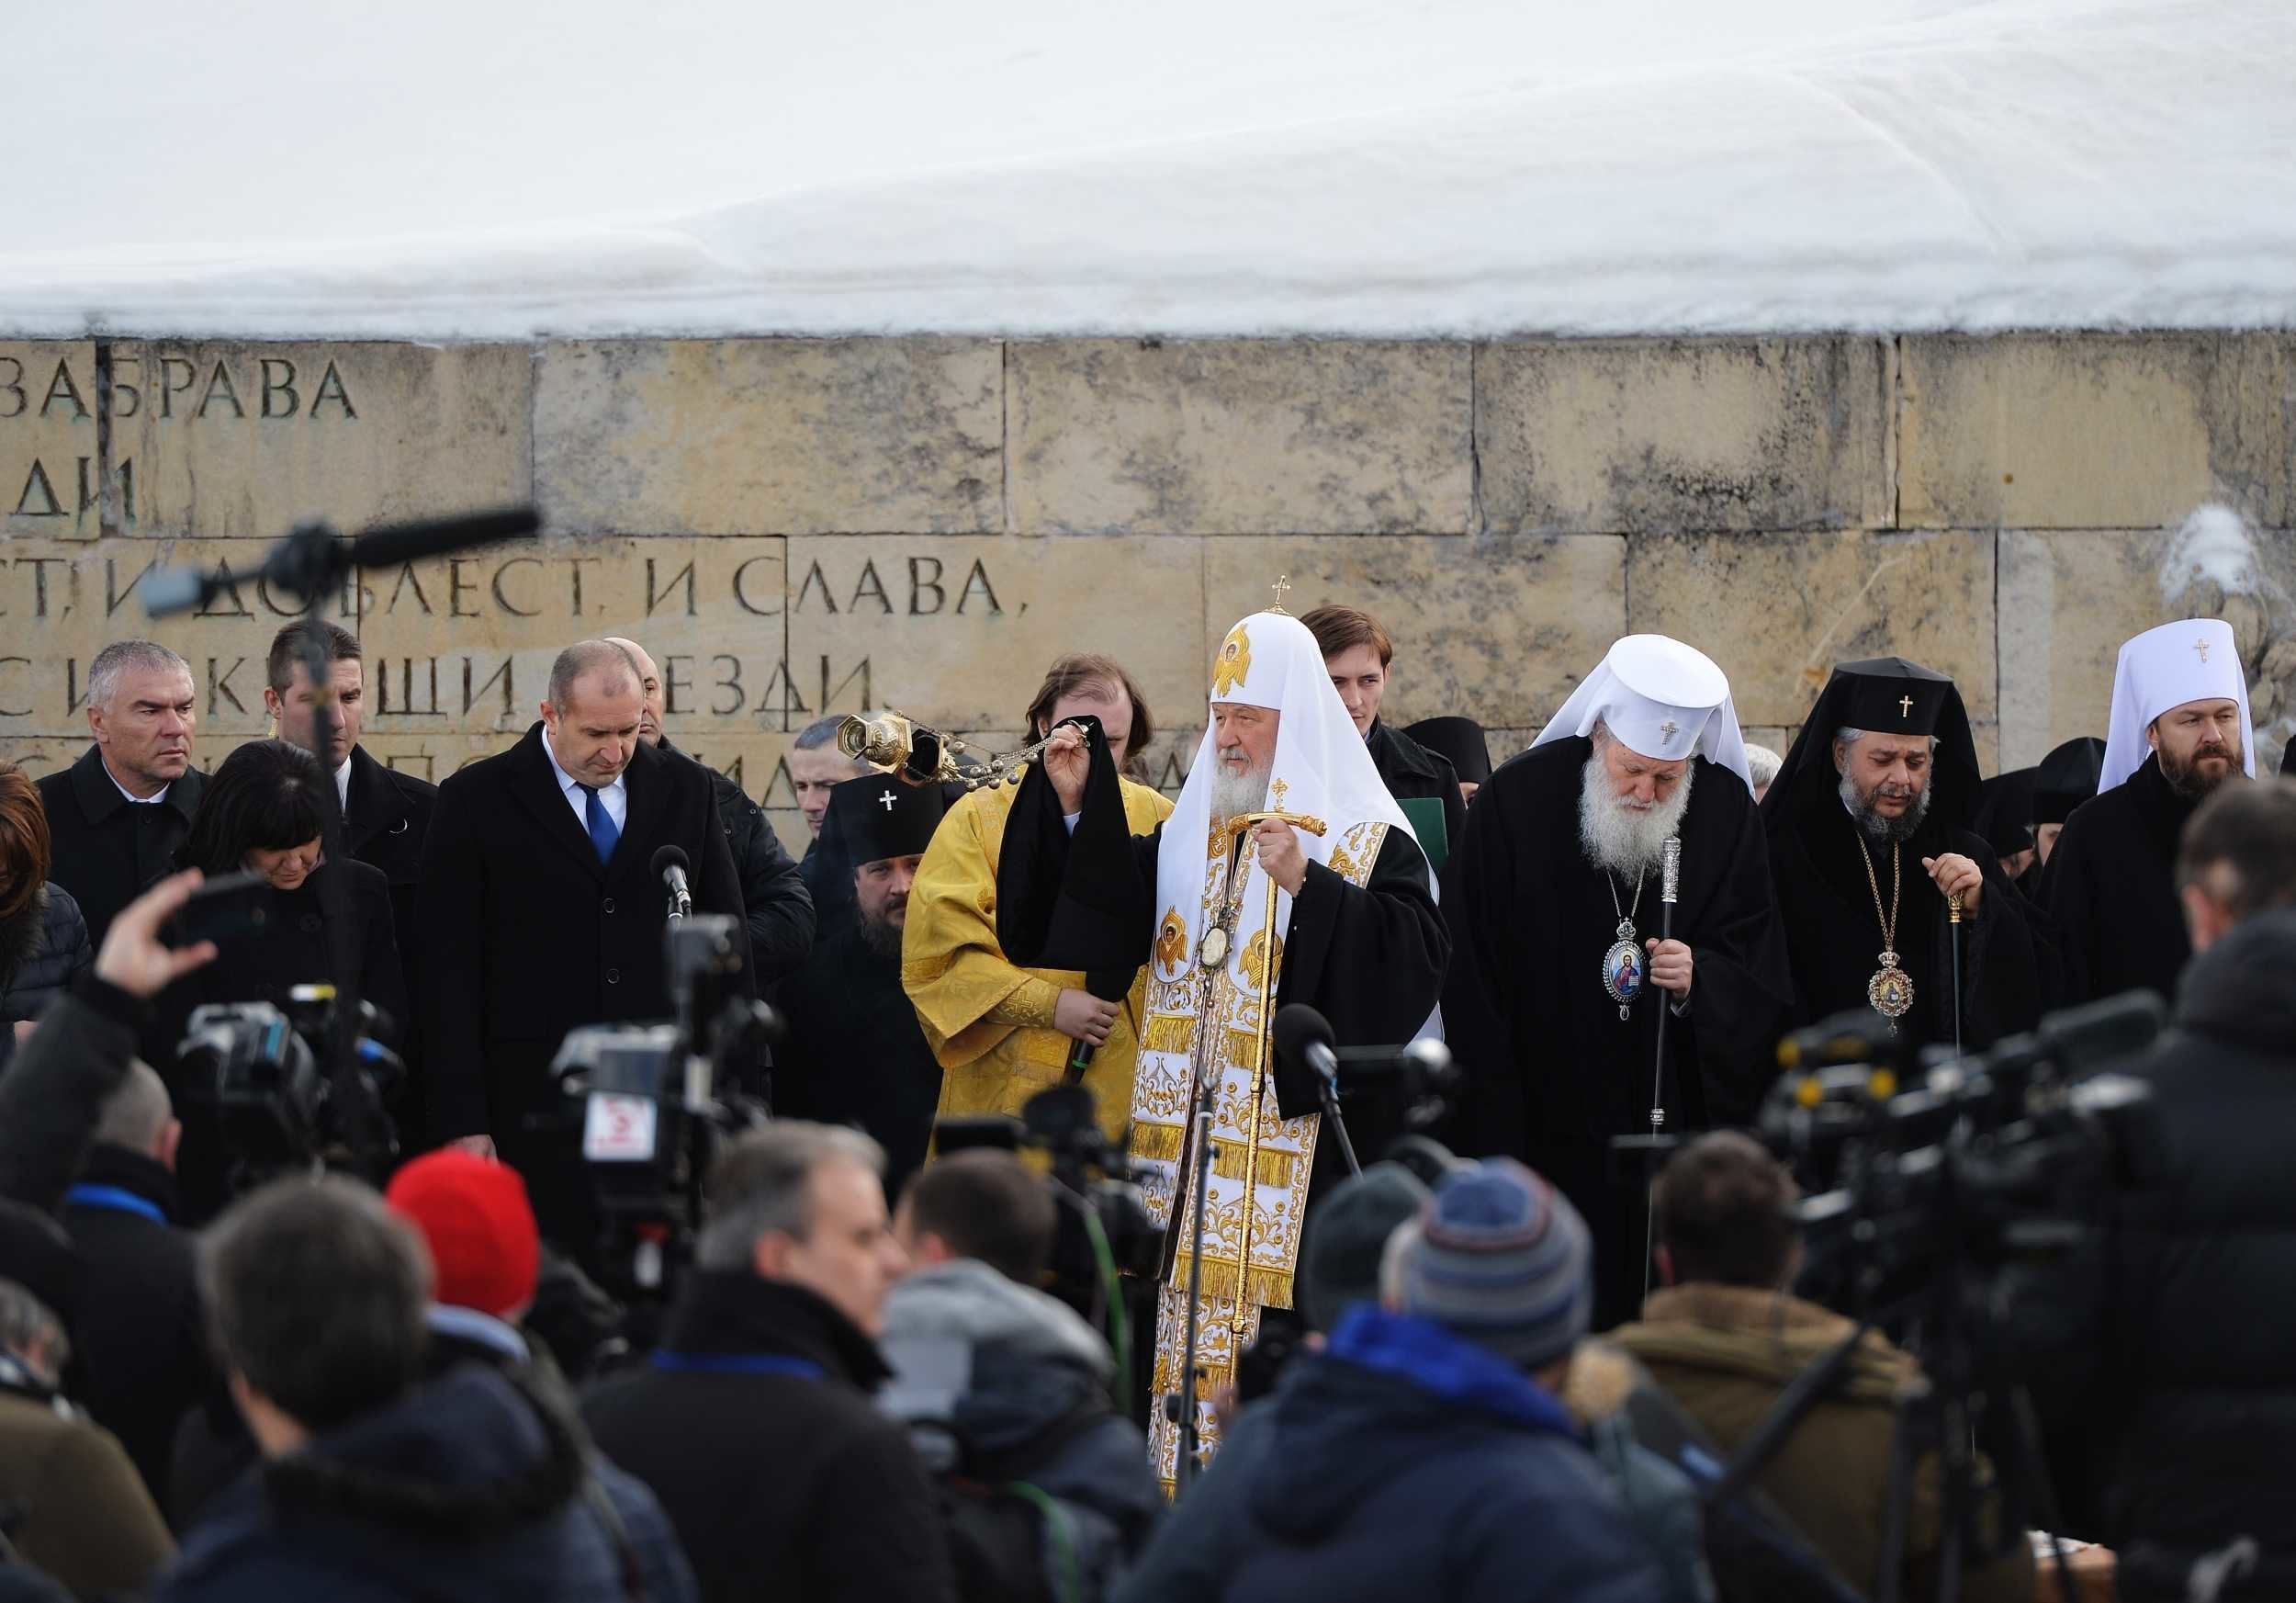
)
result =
(1303, 1036)
(669, 866)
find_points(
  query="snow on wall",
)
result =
(467, 169)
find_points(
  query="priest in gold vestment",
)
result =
(1003, 1032)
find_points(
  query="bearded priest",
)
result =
(1559, 974)
(2181, 728)
(1354, 933)
(1871, 833)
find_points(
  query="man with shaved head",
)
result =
(541, 913)
(138, 1321)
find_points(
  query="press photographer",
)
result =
(1104, 1243)
(2166, 1356)
(1725, 1338)
(999, 1383)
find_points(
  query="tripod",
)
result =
(1938, 1416)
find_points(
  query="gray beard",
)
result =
(1619, 838)
(1877, 828)
(1237, 793)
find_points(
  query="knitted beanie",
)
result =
(1347, 1234)
(1503, 1260)
(474, 1214)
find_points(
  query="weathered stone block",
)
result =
(464, 644)
(2069, 599)
(1632, 436)
(770, 436)
(1777, 610)
(228, 439)
(1229, 437)
(48, 472)
(2096, 431)
(958, 632)
(1499, 631)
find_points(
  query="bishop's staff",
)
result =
(1953, 923)
(1670, 892)
(1184, 1470)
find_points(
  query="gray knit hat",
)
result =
(1501, 1258)
(1347, 1234)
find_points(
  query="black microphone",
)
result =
(1304, 1037)
(669, 866)
(399, 543)
(1110, 985)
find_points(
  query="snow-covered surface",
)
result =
(444, 169)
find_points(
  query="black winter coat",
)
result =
(51, 1099)
(782, 1485)
(138, 1332)
(2182, 1332)
(526, 935)
(53, 1093)
(386, 818)
(1409, 769)
(472, 1489)
(42, 950)
(773, 895)
(105, 850)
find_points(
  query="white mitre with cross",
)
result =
(1662, 700)
(2191, 659)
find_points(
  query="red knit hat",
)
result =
(474, 1213)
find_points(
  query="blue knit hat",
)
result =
(1502, 1259)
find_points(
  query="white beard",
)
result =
(1237, 793)
(1622, 838)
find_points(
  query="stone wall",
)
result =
(792, 525)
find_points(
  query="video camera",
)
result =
(257, 1068)
(654, 1101)
(1983, 1159)
(1105, 1230)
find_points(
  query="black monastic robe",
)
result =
(1555, 1073)
(2110, 889)
(855, 1054)
(1834, 932)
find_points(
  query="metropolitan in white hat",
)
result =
(2178, 694)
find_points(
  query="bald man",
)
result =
(774, 894)
(542, 912)
(138, 1324)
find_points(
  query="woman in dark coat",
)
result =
(43, 939)
(260, 812)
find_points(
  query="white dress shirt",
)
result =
(141, 801)
(615, 795)
(343, 784)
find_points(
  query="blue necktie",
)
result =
(603, 832)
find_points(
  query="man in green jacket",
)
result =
(1724, 1339)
